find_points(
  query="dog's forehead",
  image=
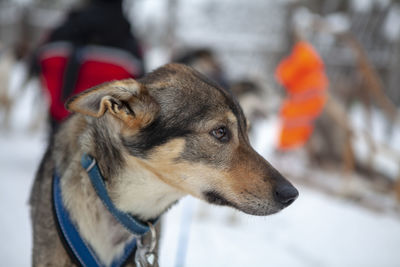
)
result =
(180, 88)
(175, 81)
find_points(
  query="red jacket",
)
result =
(97, 64)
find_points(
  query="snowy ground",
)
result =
(317, 230)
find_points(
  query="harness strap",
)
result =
(82, 252)
(57, 210)
(71, 73)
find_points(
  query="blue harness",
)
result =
(77, 246)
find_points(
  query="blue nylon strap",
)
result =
(132, 224)
(81, 250)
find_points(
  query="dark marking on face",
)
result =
(178, 123)
(108, 153)
(216, 198)
(156, 134)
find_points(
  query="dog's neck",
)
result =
(137, 192)
(132, 188)
(140, 192)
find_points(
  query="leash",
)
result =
(77, 247)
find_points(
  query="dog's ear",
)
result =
(127, 100)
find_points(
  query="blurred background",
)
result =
(317, 79)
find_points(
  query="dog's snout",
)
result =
(286, 194)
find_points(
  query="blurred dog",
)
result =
(204, 61)
(249, 95)
(169, 134)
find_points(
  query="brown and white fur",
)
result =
(167, 135)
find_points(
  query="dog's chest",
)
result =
(96, 225)
(109, 239)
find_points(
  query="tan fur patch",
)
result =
(186, 177)
(162, 162)
(150, 189)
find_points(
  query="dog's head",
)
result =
(192, 135)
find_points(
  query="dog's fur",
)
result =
(157, 139)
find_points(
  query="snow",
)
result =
(391, 26)
(383, 162)
(338, 22)
(364, 6)
(303, 18)
(265, 135)
(19, 158)
(317, 230)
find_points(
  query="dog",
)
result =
(205, 61)
(169, 134)
(249, 95)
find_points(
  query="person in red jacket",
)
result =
(95, 44)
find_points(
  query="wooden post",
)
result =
(373, 81)
(397, 188)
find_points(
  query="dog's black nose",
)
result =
(286, 194)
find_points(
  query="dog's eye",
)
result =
(221, 133)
